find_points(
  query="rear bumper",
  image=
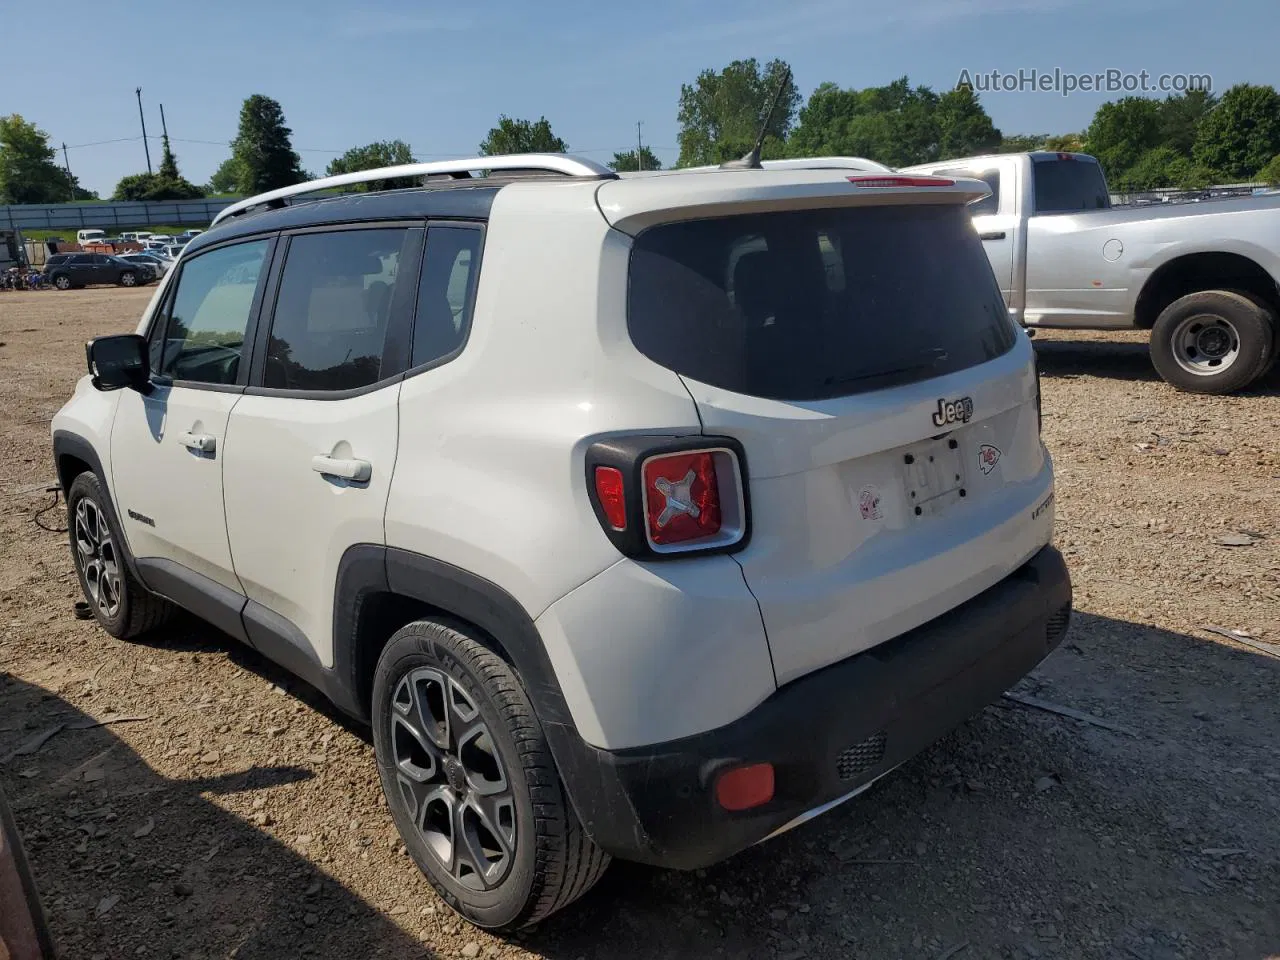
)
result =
(827, 733)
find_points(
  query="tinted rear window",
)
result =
(1066, 186)
(816, 304)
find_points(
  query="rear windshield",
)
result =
(1064, 186)
(815, 304)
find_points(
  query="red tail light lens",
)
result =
(682, 498)
(878, 181)
(611, 494)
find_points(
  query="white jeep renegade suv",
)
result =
(639, 516)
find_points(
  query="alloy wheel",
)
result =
(97, 557)
(452, 779)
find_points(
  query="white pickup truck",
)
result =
(1202, 277)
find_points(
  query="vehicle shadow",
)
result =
(1120, 361)
(1024, 833)
(130, 862)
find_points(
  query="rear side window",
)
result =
(333, 309)
(1067, 186)
(203, 341)
(445, 292)
(815, 304)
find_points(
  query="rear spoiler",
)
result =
(634, 204)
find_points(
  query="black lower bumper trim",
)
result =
(826, 734)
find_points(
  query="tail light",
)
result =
(662, 496)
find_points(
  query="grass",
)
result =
(69, 233)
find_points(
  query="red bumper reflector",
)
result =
(609, 491)
(742, 788)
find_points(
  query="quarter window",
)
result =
(333, 309)
(204, 341)
(445, 292)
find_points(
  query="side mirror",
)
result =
(119, 361)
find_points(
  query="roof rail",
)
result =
(827, 163)
(560, 163)
(808, 163)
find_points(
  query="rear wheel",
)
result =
(1215, 341)
(463, 760)
(120, 604)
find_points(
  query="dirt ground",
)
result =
(229, 812)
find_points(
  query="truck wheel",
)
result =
(1215, 341)
(462, 757)
(122, 606)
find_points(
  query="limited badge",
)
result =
(869, 503)
(988, 457)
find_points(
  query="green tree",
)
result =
(1180, 118)
(1022, 142)
(1241, 134)
(381, 153)
(1122, 131)
(1271, 172)
(226, 179)
(627, 160)
(264, 154)
(29, 172)
(895, 124)
(521, 136)
(1155, 168)
(168, 162)
(964, 128)
(721, 113)
(155, 186)
(1065, 143)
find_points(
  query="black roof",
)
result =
(446, 201)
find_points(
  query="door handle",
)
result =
(357, 470)
(201, 442)
(992, 235)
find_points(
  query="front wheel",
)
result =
(121, 605)
(1215, 341)
(62, 282)
(462, 756)
(128, 279)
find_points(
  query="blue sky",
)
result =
(437, 75)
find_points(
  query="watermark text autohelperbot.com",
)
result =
(1065, 83)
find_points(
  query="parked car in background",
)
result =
(67, 270)
(1201, 277)
(161, 264)
(91, 236)
(172, 250)
(161, 238)
(188, 235)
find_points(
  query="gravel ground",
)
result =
(227, 811)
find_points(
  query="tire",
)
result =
(1214, 341)
(542, 858)
(128, 279)
(122, 606)
(1275, 328)
(62, 282)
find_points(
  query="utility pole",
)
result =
(163, 127)
(639, 148)
(144, 129)
(71, 181)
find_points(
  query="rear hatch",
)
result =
(854, 340)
